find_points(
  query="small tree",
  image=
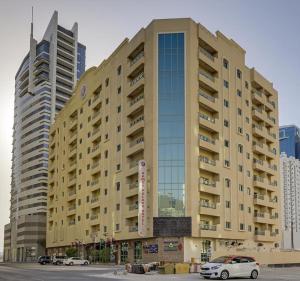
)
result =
(105, 255)
(71, 252)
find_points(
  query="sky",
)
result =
(267, 29)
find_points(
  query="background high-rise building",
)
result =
(290, 188)
(182, 100)
(43, 84)
(289, 137)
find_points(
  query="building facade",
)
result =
(167, 150)
(290, 188)
(43, 84)
(289, 138)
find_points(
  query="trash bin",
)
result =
(167, 268)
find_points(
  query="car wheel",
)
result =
(224, 275)
(43, 263)
(71, 263)
(85, 263)
(254, 274)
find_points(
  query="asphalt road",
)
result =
(36, 272)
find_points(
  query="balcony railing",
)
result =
(259, 179)
(207, 96)
(96, 131)
(207, 75)
(210, 227)
(95, 164)
(137, 141)
(72, 222)
(133, 164)
(137, 120)
(94, 217)
(207, 160)
(94, 148)
(259, 196)
(208, 205)
(136, 58)
(94, 182)
(261, 145)
(137, 79)
(72, 208)
(133, 185)
(136, 99)
(206, 182)
(258, 161)
(260, 232)
(207, 139)
(73, 192)
(133, 207)
(95, 199)
(207, 53)
(133, 228)
(259, 215)
(207, 118)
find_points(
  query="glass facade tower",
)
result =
(171, 125)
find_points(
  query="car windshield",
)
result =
(220, 259)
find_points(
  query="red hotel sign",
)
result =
(142, 216)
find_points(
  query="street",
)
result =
(36, 272)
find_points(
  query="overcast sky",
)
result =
(267, 29)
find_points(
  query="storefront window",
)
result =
(137, 251)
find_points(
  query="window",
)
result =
(247, 120)
(105, 173)
(118, 186)
(241, 187)
(118, 167)
(106, 118)
(119, 70)
(87, 199)
(81, 110)
(119, 90)
(226, 84)
(105, 191)
(106, 82)
(239, 74)
(227, 182)
(105, 228)
(247, 103)
(248, 174)
(78, 218)
(89, 103)
(105, 210)
(119, 109)
(106, 154)
(225, 63)
(248, 191)
(249, 210)
(239, 93)
(249, 228)
(239, 111)
(246, 85)
(118, 207)
(119, 128)
(117, 227)
(227, 204)
(226, 123)
(87, 216)
(240, 130)
(228, 224)
(226, 103)
(241, 207)
(106, 100)
(247, 137)
(240, 148)
(118, 147)
(227, 163)
(240, 168)
(242, 226)
(226, 143)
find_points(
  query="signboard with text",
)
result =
(142, 177)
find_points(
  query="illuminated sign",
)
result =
(142, 198)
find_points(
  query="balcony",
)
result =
(208, 101)
(211, 187)
(258, 114)
(95, 150)
(208, 144)
(132, 189)
(209, 123)
(137, 81)
(71, 194)
(259, 131)
(265, 218)
(264, 236)
(271, 137)
(272, 185)
(259, 182)
(208, 80)
(94, 200)
(135, 104)
(72, 180)
(209, 231)
(270, 105)
(208, 58)
(271, 121)
(137, 58)
(258, 97)
(136, 145)
(72, 222)
(135, 125)
(258, 147)
(209, 209)
(132, 211)
(258, 164)
(133, 228)
(209, 165)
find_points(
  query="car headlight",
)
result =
(216, 267)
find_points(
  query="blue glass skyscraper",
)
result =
(289, 137)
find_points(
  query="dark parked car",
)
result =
(44, 260)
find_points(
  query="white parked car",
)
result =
(75, 261)
(230, 266)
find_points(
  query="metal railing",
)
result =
(207, 160)
(207, 118)
(207, 75)
(210, 227)
(206, 53)
(136, 58)
(137, 79)
(207, 96)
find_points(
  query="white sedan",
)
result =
(76, 261)
(230, 266)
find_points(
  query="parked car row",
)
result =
(57, 260)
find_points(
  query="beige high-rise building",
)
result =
(181, 99)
